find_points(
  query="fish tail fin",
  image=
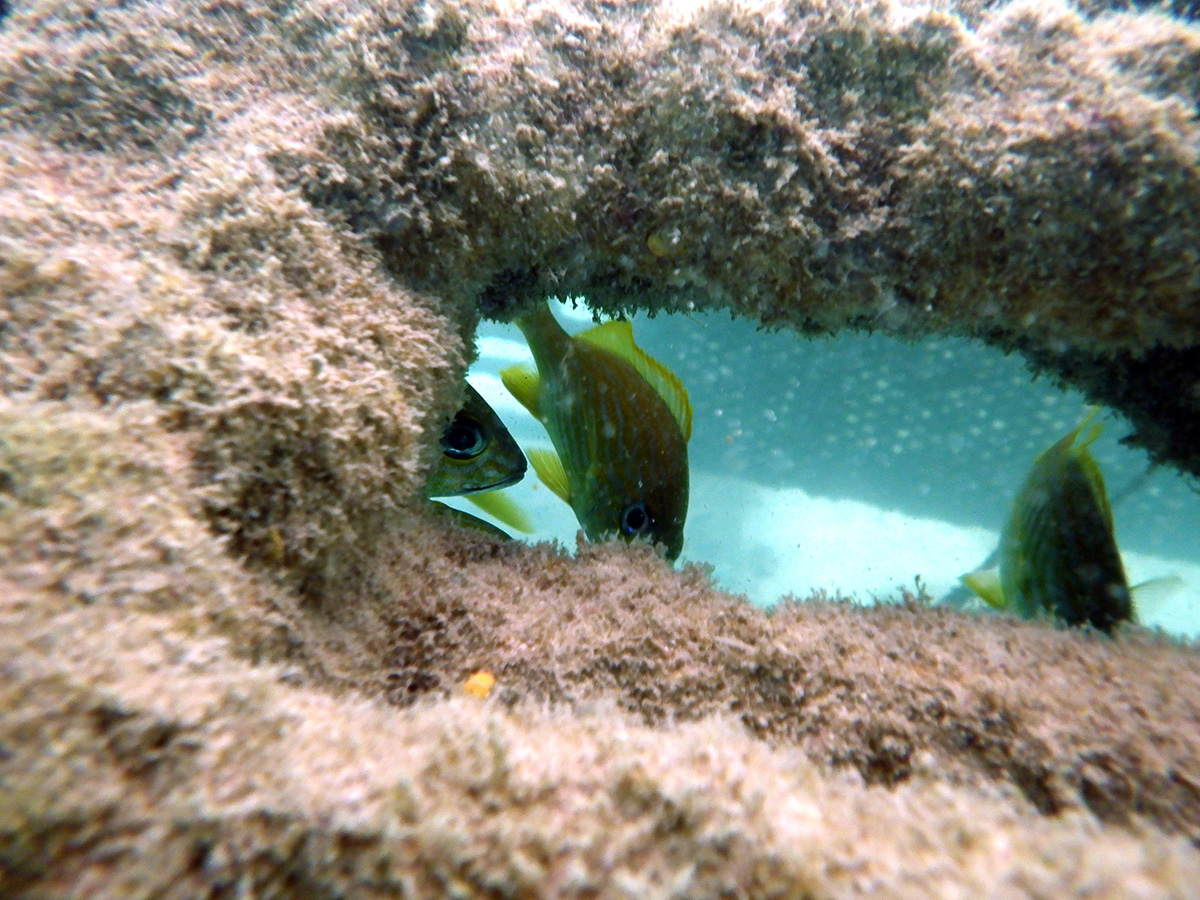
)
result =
(524, 383)
(986, 585)
(1092, 433)
(538, 317)
(1066, 444)
(501, 506)
(550, 470)
(542, 332)
(1078, 447)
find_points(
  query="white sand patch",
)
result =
(770, 542)
(766, 543)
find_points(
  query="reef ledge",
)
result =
(243, 250)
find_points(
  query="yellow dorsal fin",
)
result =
(524, 383)
(986, 584)
(550, 470)
(501, 506)
(617, 337)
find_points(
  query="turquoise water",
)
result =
(859, 463)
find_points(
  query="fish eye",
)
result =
(635, 520)
(464, 438)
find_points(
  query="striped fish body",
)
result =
(1058, 552)
(619, 422)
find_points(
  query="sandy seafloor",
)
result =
(767, 541)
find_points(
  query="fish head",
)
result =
(478, 453)
(649, 506)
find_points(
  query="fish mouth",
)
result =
(496, 485)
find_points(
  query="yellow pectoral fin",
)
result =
(617, 338)
(525, 385)
(466, 520)
(500, 505)
(550, 470)
(986, 584)
(1155, 592)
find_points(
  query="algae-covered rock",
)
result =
(243, 249)
(301, 380)
(1033, 180)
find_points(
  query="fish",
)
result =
(478, 453)
(619, 421)
(961, 594)
(479, 457)
(1058, 553)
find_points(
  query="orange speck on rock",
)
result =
(480, 684)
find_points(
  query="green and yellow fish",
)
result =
(1058, 555)
(620, 423)
(478, 458)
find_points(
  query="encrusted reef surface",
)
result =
(243, 248)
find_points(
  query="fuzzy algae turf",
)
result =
(242, 252)
(1033, 181)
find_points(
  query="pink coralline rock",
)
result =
(243, 250)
